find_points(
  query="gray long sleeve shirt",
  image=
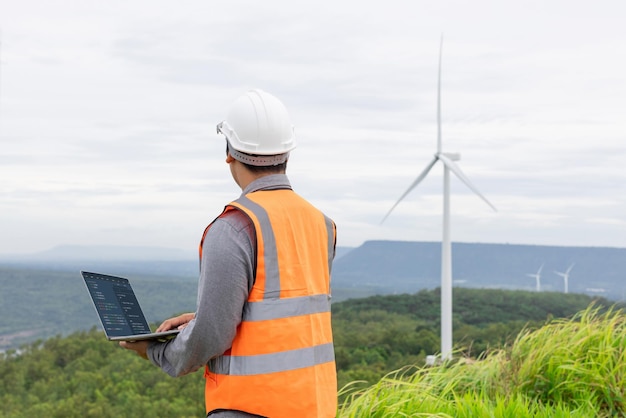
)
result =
(226, 277)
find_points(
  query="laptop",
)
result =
(118, 309)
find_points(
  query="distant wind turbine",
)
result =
(537, 277)
(565, 276)
(447, 160)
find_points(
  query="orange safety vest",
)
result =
(282, 362)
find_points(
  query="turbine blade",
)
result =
(570, 268)
(417, 181)
(439, 98)
(456, 170)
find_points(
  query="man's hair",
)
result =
(267, 169)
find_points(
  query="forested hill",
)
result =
(408, 266)
(47, 291)
(83, 375)
(479, 307)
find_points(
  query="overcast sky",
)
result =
(108, 114)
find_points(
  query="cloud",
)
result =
(108, 113)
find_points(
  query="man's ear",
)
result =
(229, 158)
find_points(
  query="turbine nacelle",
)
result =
(452, 156)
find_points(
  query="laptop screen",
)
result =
(116, 304)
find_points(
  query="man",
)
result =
(262, 324)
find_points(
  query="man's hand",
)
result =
(140, 347)
(178, 322)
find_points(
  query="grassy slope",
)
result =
(567, 368)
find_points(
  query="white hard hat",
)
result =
(258, 125)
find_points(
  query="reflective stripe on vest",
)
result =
(275, 362)
(283, 308)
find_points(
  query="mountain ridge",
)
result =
(409, 266)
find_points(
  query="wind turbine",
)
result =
(565, 276)
(537, 277)
(448, 161)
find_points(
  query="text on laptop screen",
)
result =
(117, 305)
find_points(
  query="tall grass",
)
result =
(567, 368)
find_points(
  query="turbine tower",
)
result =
(565, 277)
(537, 277)
(448, 161)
